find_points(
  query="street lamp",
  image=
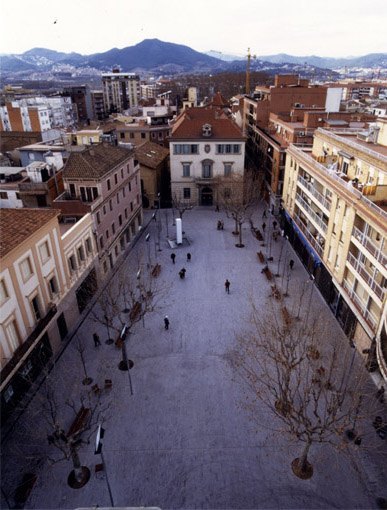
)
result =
(125, 363)
(147, 237)
(98, 451)
(280, 255)
(158, 222)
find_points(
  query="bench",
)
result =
(268, 273)
(261, 257)
(275, 292)
(135, 311)
(286, 316)
(156, 270)
(79, 422)
(24, 489)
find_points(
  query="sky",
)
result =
(329, 28)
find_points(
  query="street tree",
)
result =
(237, 195)
(316, 394)
(181, 204)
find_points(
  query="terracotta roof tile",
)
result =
(95, 161)
(150, 154)
(17, 225)
(190, 122)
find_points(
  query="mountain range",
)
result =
(153, 55)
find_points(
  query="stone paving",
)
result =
(182, 440)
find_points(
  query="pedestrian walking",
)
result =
(173, 256)
(227, 286)
(217, 208)
(291, 263)
(166, 322)
(97, 341)
(182, 273)
(263, 226)
(275, 224)
(188, 257)
(264, 214)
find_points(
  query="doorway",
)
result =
(206, 196)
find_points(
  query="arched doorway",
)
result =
(206, 196)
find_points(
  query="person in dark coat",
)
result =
(227, 286)
(263, 226)
(97, 341)
(173, 256)
(291, 263)
(166, 322)
(188, 257)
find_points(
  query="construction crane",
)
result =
(249, 57)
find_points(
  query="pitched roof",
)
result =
(17, 225)
(150, 154)
(95, 161)
(189, 125)
(219, 100)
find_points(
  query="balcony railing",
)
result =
(313, 241)
(311, 213)
(362, 271)
(25, 346)
(325, 202)
(318, 167)
(368, 316)
(370, 246)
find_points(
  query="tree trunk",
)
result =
(76, 464)
(303, 460)
(240, 233)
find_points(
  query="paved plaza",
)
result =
(182, 440)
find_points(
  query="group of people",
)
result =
(220, 225)
(173, 257)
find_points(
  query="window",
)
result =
(81, 254)
(36, 308)
(187, 192)
(122, 243)
(122, 173)
(107, 234)
(72, 263)
(127, 169)
(17, 195)
(131, 206)
(120, 219)
(108, 184)
(52, 286)
(227, 169)
(113, 228)
(105, 268)
(110, 205)
(122, 135)
(123, 192)
(89, 246)
(3, 195)
(3, 292)
(115, 179)
(116, 250)
(207, 169)
(186, 169)
(126, 213)
(118, 198)
(131, 135)
(142, 135)
(185, 148)
(12, 333)
(226, 148)
(44, 251)
(104, 209)
(98, 218)
(130, 187)
(101, 242)
(26, 269)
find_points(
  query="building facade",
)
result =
(39, 297)
(121, 91)
(335, 215)
(205, 146)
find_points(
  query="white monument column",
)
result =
(179, 231)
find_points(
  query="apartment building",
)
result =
(104, 180)
(40, 297)
(361, 89)
(98, 105)
(205, 144)
(16, 117)
(81, 97)
(154, 129)
(335, 215)
(121, 91)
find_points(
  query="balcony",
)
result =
(27, 344)
(73, 206)
(368, 316)
(371, 247)
(362, 271)
(318, 246)
(309, 211)
(325, 202)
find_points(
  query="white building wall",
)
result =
(12, 201)
(332, 102)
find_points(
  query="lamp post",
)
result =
(109, 340)
(311, 279)
(280, 255)
(147, 237)
(125, 364)
(98, 451)
(158, 222)
(285, 260)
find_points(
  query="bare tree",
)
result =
(181, 204)
(237, 195)
(124, 302)
(316, 395)
(80, 347)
